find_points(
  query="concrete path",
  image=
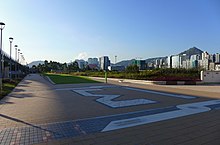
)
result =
(206, 90)
(38, 112)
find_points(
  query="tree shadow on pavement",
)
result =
(26, 82)
(18, 90)
(24, 95)
(23, 122)
(6, 102)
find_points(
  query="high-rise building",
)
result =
(204, 64)
(211, 66)
(169, 62)
(217, 58)
(194, 61)
(81, 63)
(93, 61)
(205, 55)
(176, 59)
(186, 64)
(217, 67)
(104, 62)
(195, 57)
(157, 62)
(140, 63)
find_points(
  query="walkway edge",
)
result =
(153, 82)
(47, 78)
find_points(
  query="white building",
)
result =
(195, 57)
(81, 63)
(212, 58)
(169, 62)
(176, 59)
(186, 64)
(104, 62)
(116, 68)
(217, 67)
(93, 61)
(205, 55)
(204, 64)
(217, 58)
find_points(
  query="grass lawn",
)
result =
(7, 88)
(69, 79)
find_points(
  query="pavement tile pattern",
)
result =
(40, 113)
(33, 134)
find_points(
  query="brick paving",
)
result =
(37, 112)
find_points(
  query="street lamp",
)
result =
(10, 40)
(22, 59)
(18, 54)
(19, 57)
(2, 26)
(16, 47)
(20, 64)
(18, 61)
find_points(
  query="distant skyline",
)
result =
(65, 30)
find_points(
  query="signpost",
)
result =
(106, 76)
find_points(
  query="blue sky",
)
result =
(63, 30)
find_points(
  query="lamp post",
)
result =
(16, 47)
(2, 26)
(19, 57)
(10, 40)
(18, 62)
(22, 59)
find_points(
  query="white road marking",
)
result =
(108, 99)
(185, 110)
(90, 87)
(161, 93)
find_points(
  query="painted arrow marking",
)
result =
(183, 110)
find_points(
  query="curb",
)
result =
(48, 79)
(154, 82)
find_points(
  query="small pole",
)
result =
(106, 76)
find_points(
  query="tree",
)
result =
(73, 67)
(132, 69)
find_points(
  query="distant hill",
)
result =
(192, 51)
(188, 53)
(125, 62)
(35, 63)
(129, 62)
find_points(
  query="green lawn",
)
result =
(69, 79)
(7, 88)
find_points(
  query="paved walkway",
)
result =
(37, 112)
(206, 90)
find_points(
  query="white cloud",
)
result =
(82, 55)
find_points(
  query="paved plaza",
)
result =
(38, 112)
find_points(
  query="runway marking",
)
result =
(161, 93)
(35, 134)
(108, 99)
(183, 110)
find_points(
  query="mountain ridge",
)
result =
(191, 51)
(36, 63)
(188, 52)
